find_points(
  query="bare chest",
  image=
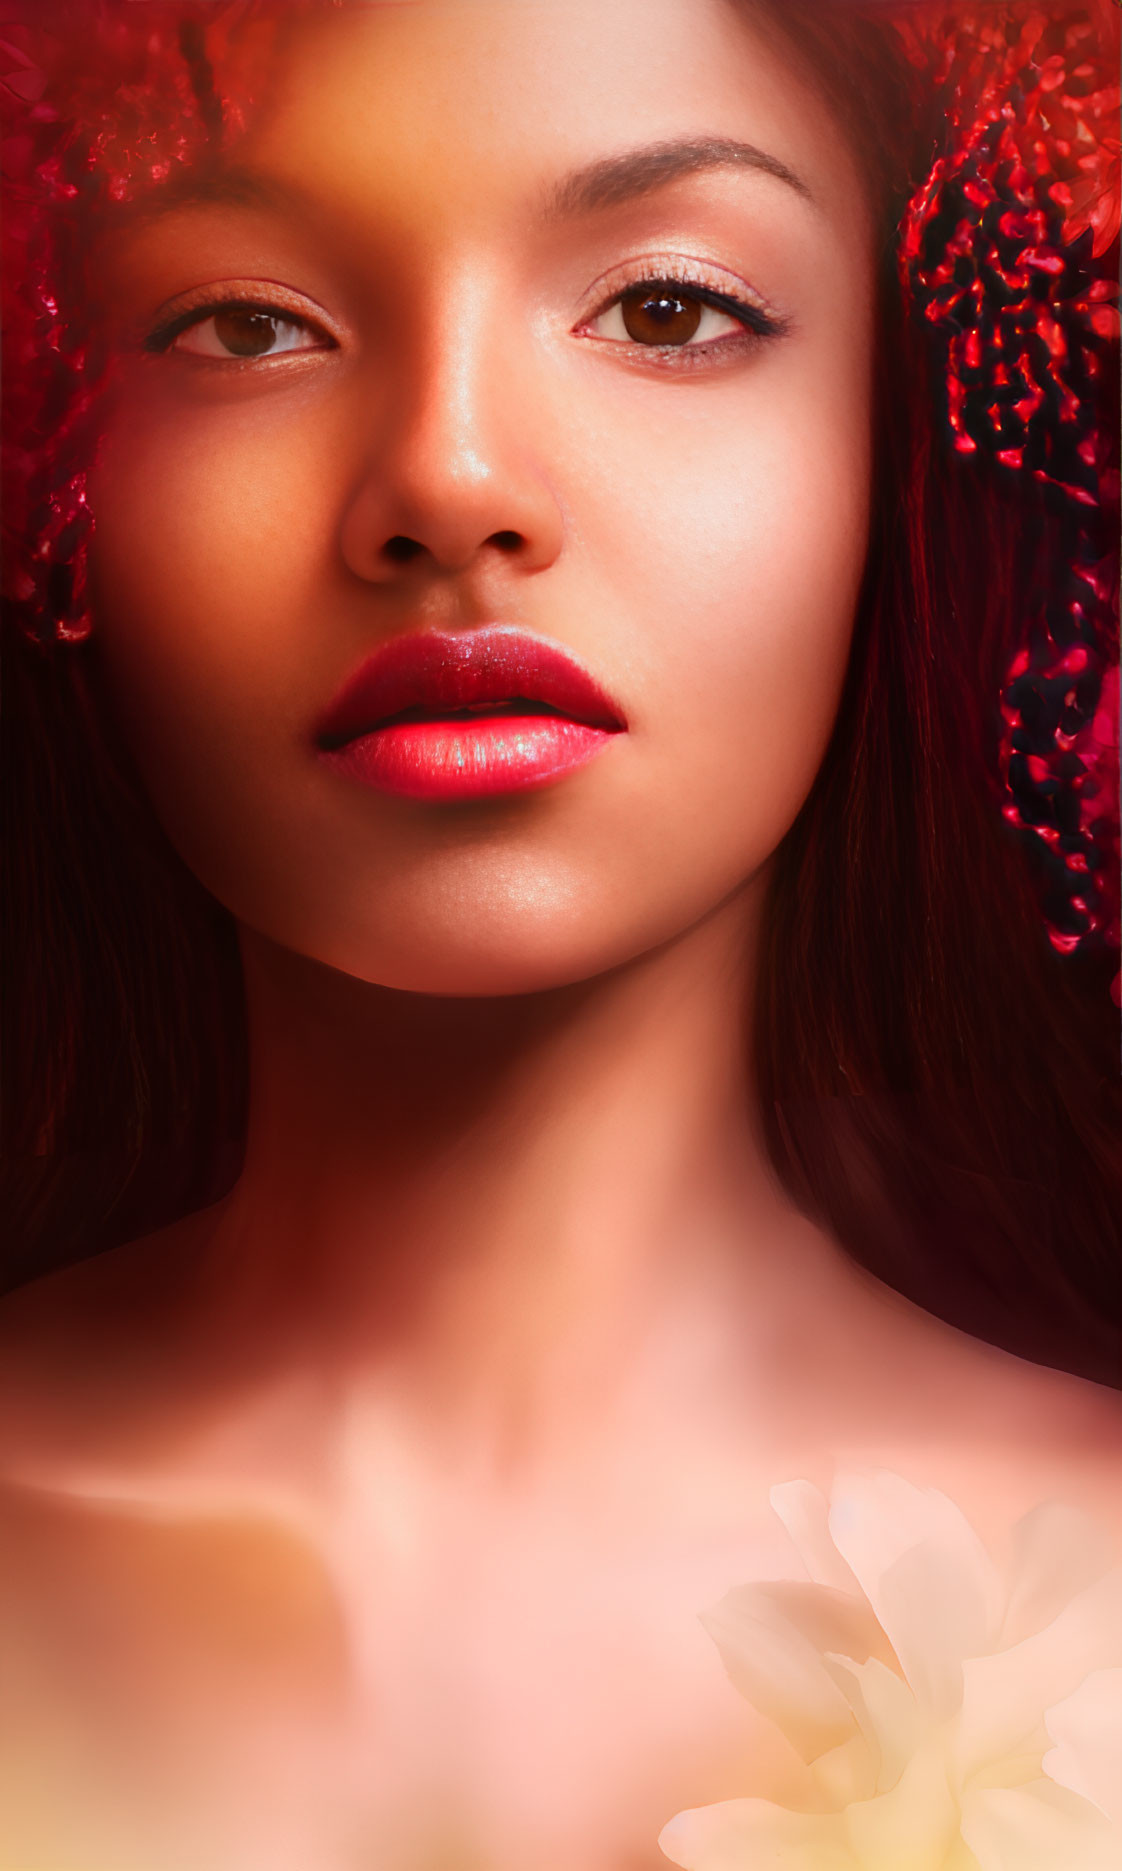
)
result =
(490, 1692)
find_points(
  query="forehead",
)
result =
(483, 103)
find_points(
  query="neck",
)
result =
(517, 1195)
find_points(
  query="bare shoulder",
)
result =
(78, 1346)
(122, 1287)
(995, 1429)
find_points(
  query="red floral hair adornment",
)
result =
(71, 149)
(1009, 251)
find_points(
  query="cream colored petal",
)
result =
(932, 1605)
(1039, 1828)
(777, 1667)
(1056, 1552)
(754, 1835)
(1087, 1731)
(912, 1828)
(875, 1520)
(1006, 1695)
(1002, 1718)
(832, 1622)
(892, 1727)
(805, 1513)
(843, 1775)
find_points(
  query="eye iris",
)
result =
(659, 317)
(244, 332)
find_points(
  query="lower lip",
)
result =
(447, 760)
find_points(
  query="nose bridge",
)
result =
(451, 460)
(447, 423)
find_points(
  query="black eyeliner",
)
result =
(752, 317)
(166, 334)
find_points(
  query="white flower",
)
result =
(922, 1686)
(1087, 1730)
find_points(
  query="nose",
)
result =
(451, 474)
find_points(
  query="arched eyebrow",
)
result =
(606, 183)
(613, 180)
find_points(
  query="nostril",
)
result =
(401, 550)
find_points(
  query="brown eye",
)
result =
(665, 315)
(244, 332)
(659, 316)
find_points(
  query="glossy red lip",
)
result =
(437, 673)
(440, 715)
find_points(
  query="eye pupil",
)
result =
(244, 332)
(659, 316)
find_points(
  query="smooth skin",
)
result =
(372, 1509)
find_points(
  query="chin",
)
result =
(535, 940)
(447, 964)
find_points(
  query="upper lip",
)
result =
(438, 671)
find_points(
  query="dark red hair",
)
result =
(939, 1085)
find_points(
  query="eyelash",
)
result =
(164, 337)
(757, 323)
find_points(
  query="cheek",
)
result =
(212, 537)
(204, 519)
(741, 568)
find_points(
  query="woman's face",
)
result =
(464, 395)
